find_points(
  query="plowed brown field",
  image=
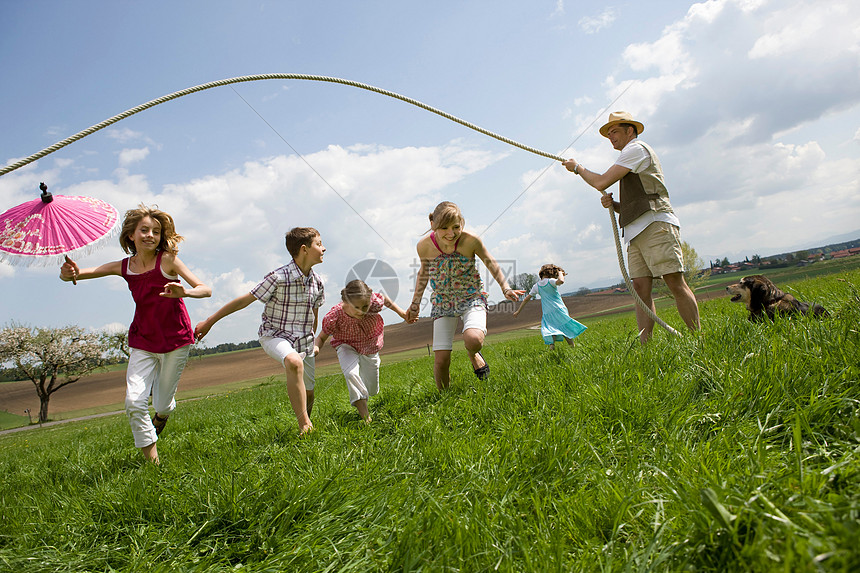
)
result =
(108, 388)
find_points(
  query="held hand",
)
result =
(201, 330)
(173, 290)
(569, 164)
(606, 200)
(412, 314)
(316, 350)
(69, 271)
(514, 295)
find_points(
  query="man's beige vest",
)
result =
(643, 192)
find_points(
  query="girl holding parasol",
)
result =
(161, 333)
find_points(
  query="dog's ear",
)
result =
(757, 287)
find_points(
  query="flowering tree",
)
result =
(117, 341)
(52, 357)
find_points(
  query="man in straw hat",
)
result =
(649, 226)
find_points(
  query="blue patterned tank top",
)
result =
(456, 283)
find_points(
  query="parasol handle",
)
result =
(68, 260)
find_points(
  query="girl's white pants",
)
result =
(361, 372)
(157, 374)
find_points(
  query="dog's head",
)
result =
(754, 291)
(739, 292)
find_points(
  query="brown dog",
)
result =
(764, 299)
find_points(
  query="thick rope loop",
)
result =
(258, 77)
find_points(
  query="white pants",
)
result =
(280, 348)
(151, 373)
(361, 372)
(445, 326)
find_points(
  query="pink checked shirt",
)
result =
(364, 334)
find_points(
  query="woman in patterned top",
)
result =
(447, 257)
(356, 331)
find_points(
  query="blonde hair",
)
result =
(354, 291)
(550, 271)
(445, 214)
(169, 238)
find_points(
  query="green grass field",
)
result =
(733, 449)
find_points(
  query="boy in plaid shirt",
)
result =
(356, 331)
(292, 294)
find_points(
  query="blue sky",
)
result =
(752, 105)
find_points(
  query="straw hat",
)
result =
(617, 117)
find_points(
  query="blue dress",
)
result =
(556, 323)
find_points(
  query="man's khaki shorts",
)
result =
(656, 251)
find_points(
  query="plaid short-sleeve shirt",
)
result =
(364, 334)
(290, 298)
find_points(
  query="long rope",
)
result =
(258, 77)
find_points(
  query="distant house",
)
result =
(843, 253)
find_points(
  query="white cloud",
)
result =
(667, 54)
(824, 28)
(730, 61)
(123, 134)
(130, 156)
(593, 24)
(113, 327)
(234, 223)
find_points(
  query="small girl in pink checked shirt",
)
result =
(356, 330)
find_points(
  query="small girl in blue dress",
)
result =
(555, 323)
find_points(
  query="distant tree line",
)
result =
(789, 258)
(225, 347)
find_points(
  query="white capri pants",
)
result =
(280, 348)
(445, 326)
(361, 372)
(158, 374)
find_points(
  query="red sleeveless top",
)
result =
(160, 324)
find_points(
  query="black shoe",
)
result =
(159, 423)
(484, 371)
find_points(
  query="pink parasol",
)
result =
(43, 231)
